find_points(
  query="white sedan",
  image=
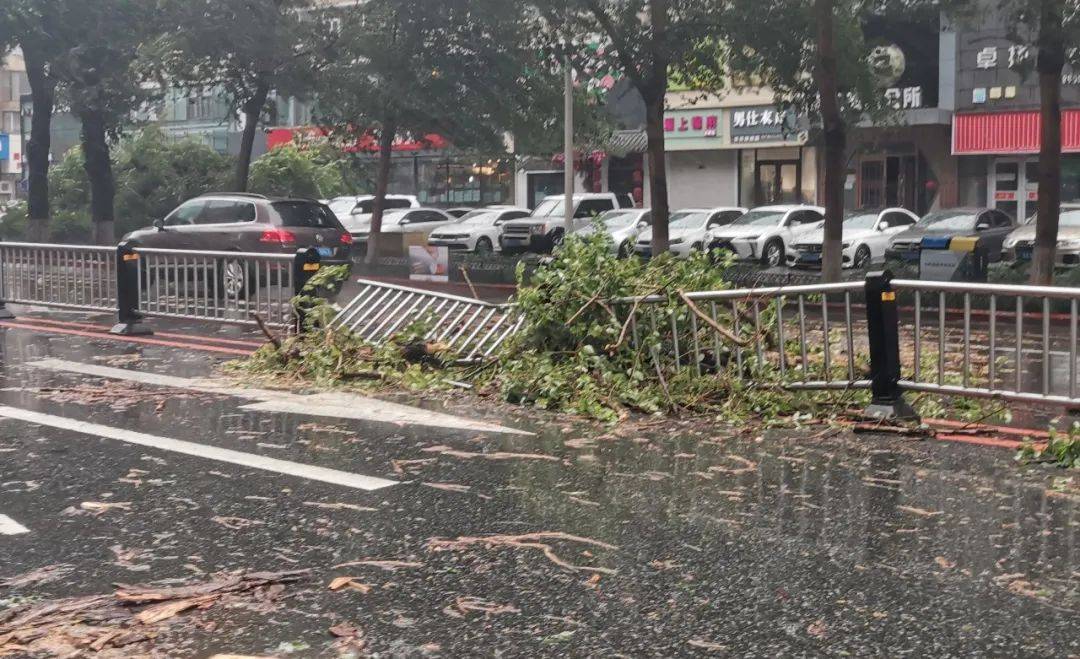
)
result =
(478, 230)
(689, 229)
(409, 220)
(866, 237)
(765, 233)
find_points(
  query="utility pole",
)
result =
(568, 147)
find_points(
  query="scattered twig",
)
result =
(472, 289)
(494, 455)
(526, 541)
(389, 566)
(577, 314)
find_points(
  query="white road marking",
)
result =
(332, 405)
(9, 526)
(310, 472)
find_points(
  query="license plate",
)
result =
(1024, 253)
(810, 258)
(325, 252)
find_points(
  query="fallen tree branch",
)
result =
(472, 289)
(722, 331)
(270, 336)
(584, 307)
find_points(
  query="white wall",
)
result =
(703, 178)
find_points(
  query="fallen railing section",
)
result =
(469, 329)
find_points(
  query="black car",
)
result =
(989, 225)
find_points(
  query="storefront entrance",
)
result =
(1014, 186)
(777, 182)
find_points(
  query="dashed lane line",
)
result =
(284, 467)
(9, 526)
(333, 405)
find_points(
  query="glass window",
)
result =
(227, 212)
(591, 207)
(367, 206)
(759, 219)
(690, 220)
(9, 123)
(304, 214)
(186, 214)
(898, 220)
(724, 217)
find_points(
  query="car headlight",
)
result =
(1071, 243)
(1009, 244)
(538, 228)
(677, 241)
(845, 245)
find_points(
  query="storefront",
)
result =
(996, 131)
(904, 160)
(737, 155)
(428, 168)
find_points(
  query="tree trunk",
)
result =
(42, 92)
(655, 95)
(253, 110)
(99, 172)
(382, 182)
(658, 189)
(835, 138)
(1049, 64)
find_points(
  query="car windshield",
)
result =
(758, 219)
(479, 218)
(860, 221)
(688, 220)
(1068, 218)
(549, 206)
(946, 220)
(304, 214)
(617, 219)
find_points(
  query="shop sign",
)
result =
(682, 124)
(5, 146)
(904, 98)
(763, 124)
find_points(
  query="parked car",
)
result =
(459, 212)
(866, 236)
(248, 223)
(408, 220)
(989, 225)
(622, 226)
(478, 230)
(354, 212)
(1019, 245)
(765, 233)
(688, 229)
(545, 228)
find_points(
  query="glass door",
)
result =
(1014, 187)
(776, 182)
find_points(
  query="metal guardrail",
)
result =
(76, 277)
(470, 329)
(228, 287)
(803, 337)
(1012, 342)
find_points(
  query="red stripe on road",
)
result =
(168, 335)
(126, 339)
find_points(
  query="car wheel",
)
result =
(557, 239)
(235, 279)
(862, 257)
(773, 254)
(625, 251)
(696, 247)
(483, 246)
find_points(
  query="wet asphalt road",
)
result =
(690, 539)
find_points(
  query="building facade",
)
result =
(996, 127)
(13, 85)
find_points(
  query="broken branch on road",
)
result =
(525, 541)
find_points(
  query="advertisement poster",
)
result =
(427, 263)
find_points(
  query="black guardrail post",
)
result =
(883, 325)
(305, 266)
(127, 293)
(5, 313)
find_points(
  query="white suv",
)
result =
(689, 228)
(765, 233)
(478, 230)
(545, 228)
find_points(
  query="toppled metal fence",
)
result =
(470, 329)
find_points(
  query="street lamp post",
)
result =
(568, 147)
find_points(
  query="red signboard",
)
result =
(1002, 195)
(1009, 132)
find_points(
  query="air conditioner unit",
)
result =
(7, 187)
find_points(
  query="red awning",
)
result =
(1009, 132)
